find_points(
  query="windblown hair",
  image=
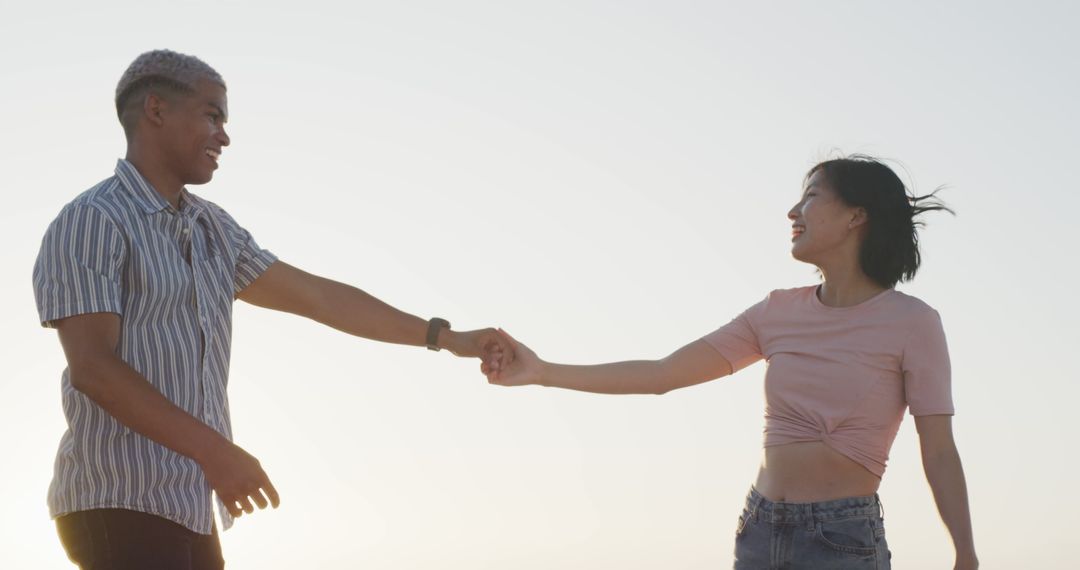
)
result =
(162, 72)
(890, 249)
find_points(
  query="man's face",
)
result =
(194, 133)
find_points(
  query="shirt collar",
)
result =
(144, 194)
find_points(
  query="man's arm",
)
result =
(283, 287)
(90, 343)
(941, 463)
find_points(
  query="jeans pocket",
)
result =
(879, 528)
(851, 536)
(744, 520)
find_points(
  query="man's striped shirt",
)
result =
(171, 274)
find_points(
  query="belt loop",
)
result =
(880, 506)
(810, 516)
(757, 504)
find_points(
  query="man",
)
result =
(138, 276)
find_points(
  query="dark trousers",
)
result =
(119, 539)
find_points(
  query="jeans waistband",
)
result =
(775, 512)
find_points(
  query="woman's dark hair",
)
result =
(890, 250)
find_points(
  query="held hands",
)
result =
(523, 369)
(236, 477)
(493, 349)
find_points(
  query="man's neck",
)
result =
(167, 186)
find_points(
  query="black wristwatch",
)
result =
(433, 327)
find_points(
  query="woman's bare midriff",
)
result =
(808, 472)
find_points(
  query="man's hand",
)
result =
(90, 342)
(238, 479)
(494, 349)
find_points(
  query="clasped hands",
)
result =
(503, 360)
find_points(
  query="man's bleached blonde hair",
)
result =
(162, 72)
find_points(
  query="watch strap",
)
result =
(434, 326)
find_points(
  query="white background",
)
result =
(607, 181)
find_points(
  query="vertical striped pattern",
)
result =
(172, 276)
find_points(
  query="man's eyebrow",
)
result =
(220, 111)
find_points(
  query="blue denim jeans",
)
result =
(845, 534)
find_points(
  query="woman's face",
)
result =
(821, 222)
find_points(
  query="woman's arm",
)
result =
(692, 364)
(941, 463)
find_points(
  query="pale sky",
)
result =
(607, 181)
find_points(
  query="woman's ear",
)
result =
(858, 218)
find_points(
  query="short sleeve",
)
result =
(926, 367)
(738, 341)
(251, 260)
(80, 266)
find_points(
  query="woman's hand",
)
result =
(523, 369)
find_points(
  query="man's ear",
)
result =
(154, 107)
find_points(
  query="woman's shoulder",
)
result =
(784, 301)
(910, 304)
(792, 293)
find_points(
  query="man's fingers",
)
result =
(514, 346)
(498, 354)
(232, 508)
(260, 500)
(238, 506)
(492, 355)
(271, 493)
(505, 346)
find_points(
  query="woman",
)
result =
(845, 358)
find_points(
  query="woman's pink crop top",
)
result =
(842, 376)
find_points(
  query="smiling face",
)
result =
(193, 133)
(823, 226)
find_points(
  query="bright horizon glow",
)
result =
(607, 181)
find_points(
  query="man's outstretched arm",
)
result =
(283, 287)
